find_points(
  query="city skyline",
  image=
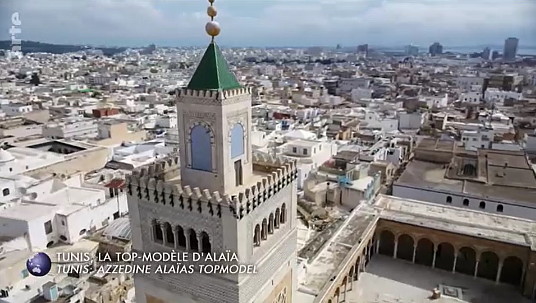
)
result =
(274, 23)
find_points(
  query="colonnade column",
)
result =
(378, 245)
(455, 260)
(176, 237)
(476, 267)
(434, 256)
(498, 278)
(414, 252)
(164, 237)
(396, 248)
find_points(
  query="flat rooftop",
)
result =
(389, 280)
(326, 264)
(457, 220)
(514, 182)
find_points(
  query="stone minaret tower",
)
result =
(224, 198)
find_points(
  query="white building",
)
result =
(435, 101)
(375, 121)
(18, 160)
(498, 96)
(51, 211)
(16, 109)
(471, 97)
(477, 139)
(309, 155)
(71, 129)
(133, 155)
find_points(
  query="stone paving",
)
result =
(396, 281)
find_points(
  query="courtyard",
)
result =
(389, 280)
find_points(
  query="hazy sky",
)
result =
(274, 22)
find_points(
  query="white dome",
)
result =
(5, 156)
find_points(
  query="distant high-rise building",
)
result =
(494, 55)
(486, 53)
(412, 50)
(362, 49)
(436, 49)
(510, 48)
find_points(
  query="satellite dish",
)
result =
(32, 196)
(22, 190)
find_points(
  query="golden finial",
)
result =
(212, 28)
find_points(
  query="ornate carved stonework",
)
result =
(199, 116)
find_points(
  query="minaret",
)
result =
(227, 199)
(214, 113)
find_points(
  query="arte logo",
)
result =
(39, 264)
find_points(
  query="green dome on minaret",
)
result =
(213, 72)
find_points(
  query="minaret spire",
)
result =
(213, 73)
(212, 28)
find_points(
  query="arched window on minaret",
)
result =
(264, 230)
(201, 147)
(271, 224)
(194, 245)
(277, 217)
(205, 243)
(237, 141)
(283, 218)
(257, 236)
(157, 231)
(170, 237)
(181, 241)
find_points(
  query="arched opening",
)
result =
(82, 232)
(283, 216)
(193, 240)
(170, 237)
(271, 224)
(205, 243)
(237, 141)
(63, 238)
(482, 205)
(352, 274)
(181, 237)
(264, 230)
(336, 295)
(449, 199)
(465, 202)
(49, 244)
(357, 269)
(424, 254)
(257, 236)
(500, 208)
(405, 248)
(201, 148)
(488, 265)
(512, 271)
(157, 232)
(387, 243)
(466, 261)
(445, 256)
(277, 217)
(5, 192)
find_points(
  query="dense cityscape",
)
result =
(288, 175)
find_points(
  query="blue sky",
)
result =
(274, 22)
